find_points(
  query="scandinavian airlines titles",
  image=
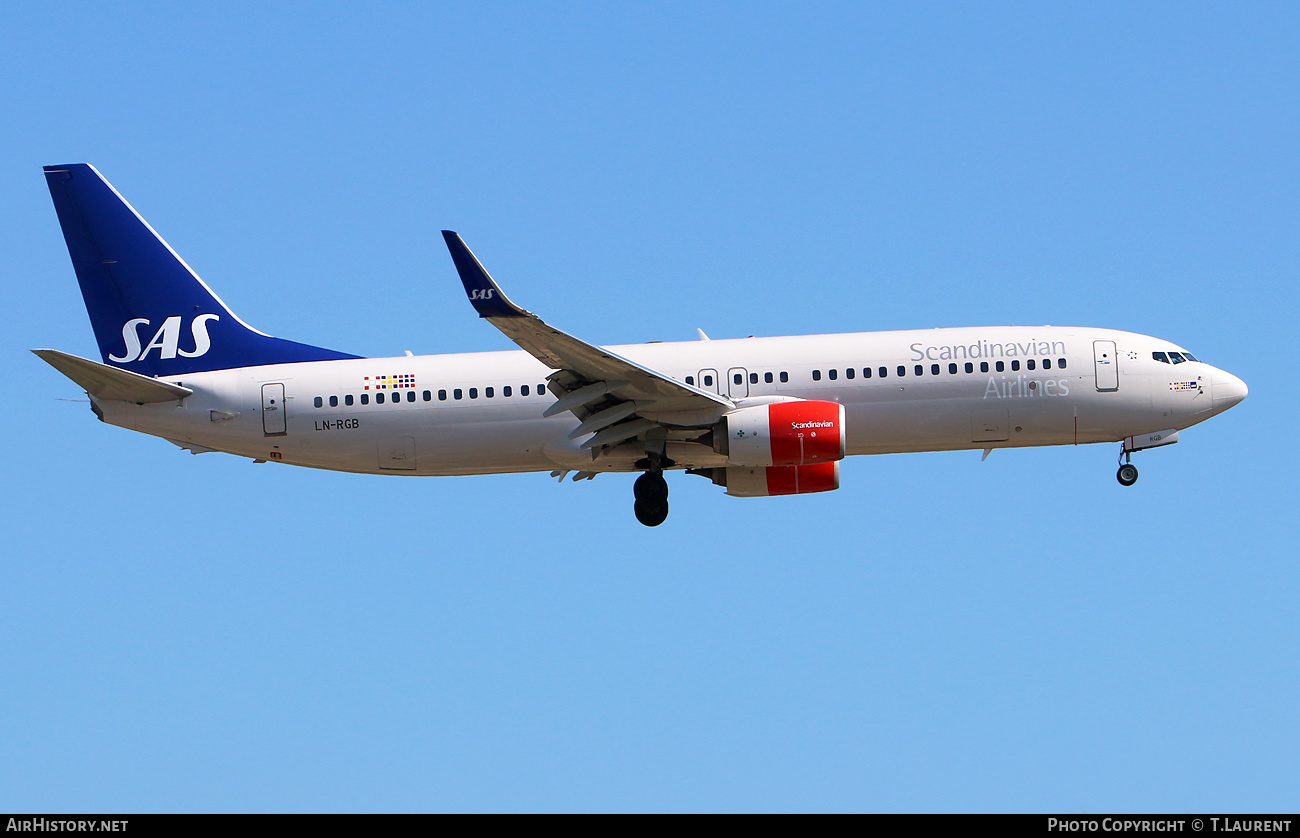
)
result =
(986, 349)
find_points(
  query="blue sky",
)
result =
(185, 633)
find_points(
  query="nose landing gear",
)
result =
(1128, 473)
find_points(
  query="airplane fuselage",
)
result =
(902, 391)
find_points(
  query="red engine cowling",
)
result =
(794, 433)
(762, 482)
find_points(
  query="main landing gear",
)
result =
(1128, 473)
(651, 489)
(651, 492)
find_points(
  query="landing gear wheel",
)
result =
(1127, 474)
(651, 488)
(651, 493)
(651, 514)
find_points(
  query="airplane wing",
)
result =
(615, 397)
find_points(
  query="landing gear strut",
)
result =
(651, 489)
(1128, 473)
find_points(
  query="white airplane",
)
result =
(759, 416)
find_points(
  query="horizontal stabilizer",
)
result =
(105, 382)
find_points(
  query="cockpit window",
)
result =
(1190, 357)
(1175, 357)
(1161, 357)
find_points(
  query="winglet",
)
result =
(484, 293)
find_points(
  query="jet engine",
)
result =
(789, 433)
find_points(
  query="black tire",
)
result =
(651, 489)
(1127, 474)
(651, 514)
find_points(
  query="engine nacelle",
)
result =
(768, 481)
(793, 433)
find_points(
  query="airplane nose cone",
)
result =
(1228, 390)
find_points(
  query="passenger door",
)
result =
(1106, 365)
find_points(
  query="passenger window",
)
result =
(505, 391)
(379, 398)
(902, 370)
(884, 372)
(833, 374)
(866, 372)
(541, 389)
(410, 395)
(428, 397)
(334, 401)
(952, 369)
(970, 367)
(690, 379)
(849, 373)
(397, 399)
(473, 392)
(488, 391)
(1047, 363)
(817, 375)
(318, 402)
(767, 378)
(523, 390)
(457, 394)
(1060, 363)
(1015, 366)
(442, 395)
(365, 398)
(1029, 365)
(347, 400)
(984, 366)
(1001, 367)
(708, 381)
(753, 378)
(785, 376)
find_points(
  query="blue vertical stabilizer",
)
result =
(151, 313)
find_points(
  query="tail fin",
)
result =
(151, 313)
